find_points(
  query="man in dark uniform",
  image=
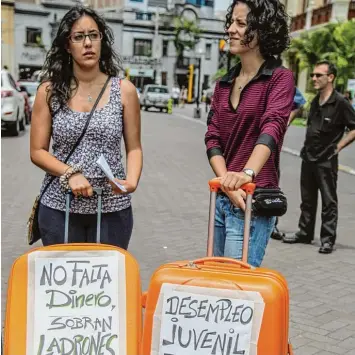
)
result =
(330, 114)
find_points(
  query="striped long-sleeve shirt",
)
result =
(260, 118)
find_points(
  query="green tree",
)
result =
(186, 36)
(343, 55)
(223, 71)
(335, 42)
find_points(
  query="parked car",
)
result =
(155, 96)
(30, 87)
(12, 105)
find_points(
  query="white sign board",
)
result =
(77, 304)
(204, 321)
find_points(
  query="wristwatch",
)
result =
(250, 173)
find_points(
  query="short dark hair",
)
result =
(269, 21)
(332, 69)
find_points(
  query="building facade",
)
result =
(144, 37)
(148, 50)
(7, 34)
(149, 54)
(308, 15)
(36, 24)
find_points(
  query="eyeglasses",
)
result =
(317, 75)
(78, 37)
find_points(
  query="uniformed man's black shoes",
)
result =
(296, 238)
(326, 248)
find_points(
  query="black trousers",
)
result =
(320, 176)
(116, 227)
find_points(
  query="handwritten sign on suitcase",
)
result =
(204, 324)
(200, 320)
(78, 304)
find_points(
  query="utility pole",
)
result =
(156, 46)
(197, 113)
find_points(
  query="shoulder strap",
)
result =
(81, 136)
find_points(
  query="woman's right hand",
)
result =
(80, 186)
(237, 198)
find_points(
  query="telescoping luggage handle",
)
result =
(214, 187)
(68, 199)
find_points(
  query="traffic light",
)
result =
(191, 82)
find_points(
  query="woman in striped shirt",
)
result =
(248, 120)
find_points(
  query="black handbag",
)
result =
(269, 202)
(33, 232)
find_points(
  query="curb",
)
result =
(344, 168)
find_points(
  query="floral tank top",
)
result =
(103, 136)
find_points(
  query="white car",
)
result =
(12, 105)
(155, 96)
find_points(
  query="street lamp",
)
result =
(199, 54)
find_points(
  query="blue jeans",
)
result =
(229, 229)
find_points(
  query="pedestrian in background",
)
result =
(183, 96)
(79, 64)
(175, 93)
(247, 123)
(329, 115)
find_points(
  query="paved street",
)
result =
(171, 210)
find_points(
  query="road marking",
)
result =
(196, 120)
(344, 168)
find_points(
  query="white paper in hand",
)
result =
(102, 163)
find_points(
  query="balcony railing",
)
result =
(351, 13)
(298, 22)
(322, 15)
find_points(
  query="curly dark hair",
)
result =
(267, 20)
(57, 69)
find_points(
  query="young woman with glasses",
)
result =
(79, 64)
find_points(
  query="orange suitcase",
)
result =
(74, 299)
(216, 306)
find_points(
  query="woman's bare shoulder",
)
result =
(128, 87)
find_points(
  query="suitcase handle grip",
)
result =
(69, 196)
(222, 260)
(215, 185)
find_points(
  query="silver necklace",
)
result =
(240, 87)
(89, 98)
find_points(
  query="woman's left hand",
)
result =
(232, 181)
(129, 187)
